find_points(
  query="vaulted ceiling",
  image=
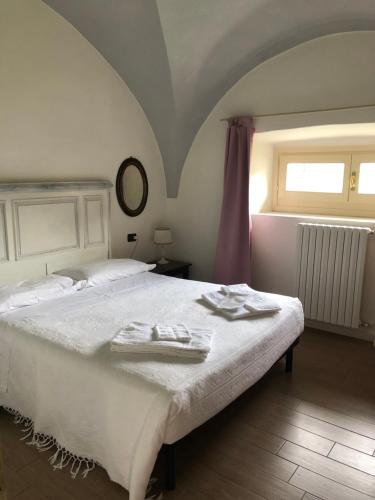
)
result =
(179, 57)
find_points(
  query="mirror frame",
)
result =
(119, 187)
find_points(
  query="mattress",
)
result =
(119, 408)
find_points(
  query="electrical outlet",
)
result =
(132, 237)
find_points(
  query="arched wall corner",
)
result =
(66, 114)
(327, 72)
(210, 99)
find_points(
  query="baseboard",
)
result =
(357, 333)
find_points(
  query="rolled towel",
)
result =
(177, 333)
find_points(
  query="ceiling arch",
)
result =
(179, 57)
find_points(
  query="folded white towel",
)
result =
(241, 301)
(177, 333)
(229, 298)
(260, 302)
(222, 301)
(253, 300)
(243, 312)
(138, 338)
(241, 290)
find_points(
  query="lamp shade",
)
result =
(163, 236)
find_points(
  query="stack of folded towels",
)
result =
(240, 301)
(170, 340)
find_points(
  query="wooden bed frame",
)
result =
(169, 450)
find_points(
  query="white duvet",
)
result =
(57, 369)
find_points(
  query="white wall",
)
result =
(65, 114)
(329, 72)
(275, 252)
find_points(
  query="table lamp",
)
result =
(162, 237)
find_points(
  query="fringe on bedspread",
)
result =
(62, 457)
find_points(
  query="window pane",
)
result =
(366, 183)
(315, 177)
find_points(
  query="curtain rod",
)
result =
(292, 113)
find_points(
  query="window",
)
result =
(337, 183)
(366, 179)
(308, 177)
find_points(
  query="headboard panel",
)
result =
(47, 226)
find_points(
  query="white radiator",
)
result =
(331, 261)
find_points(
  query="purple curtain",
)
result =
(232, 263)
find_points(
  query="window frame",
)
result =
(364, 200)
(348, 203)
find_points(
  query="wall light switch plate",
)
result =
(132, 237)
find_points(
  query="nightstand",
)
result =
(173, 268)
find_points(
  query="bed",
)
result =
(117, 409)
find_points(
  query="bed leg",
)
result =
(289, 360)
(289, 356)
(170, 467)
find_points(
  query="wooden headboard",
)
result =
(47, 226)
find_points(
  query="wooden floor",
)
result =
(310, 434)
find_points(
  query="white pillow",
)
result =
(27, 293)
(51, 281)
(100, 272)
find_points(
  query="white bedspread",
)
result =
(120, 408)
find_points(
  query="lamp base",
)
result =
(162, 261)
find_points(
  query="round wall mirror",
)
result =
(132, 187)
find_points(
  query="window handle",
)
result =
(353, 181)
